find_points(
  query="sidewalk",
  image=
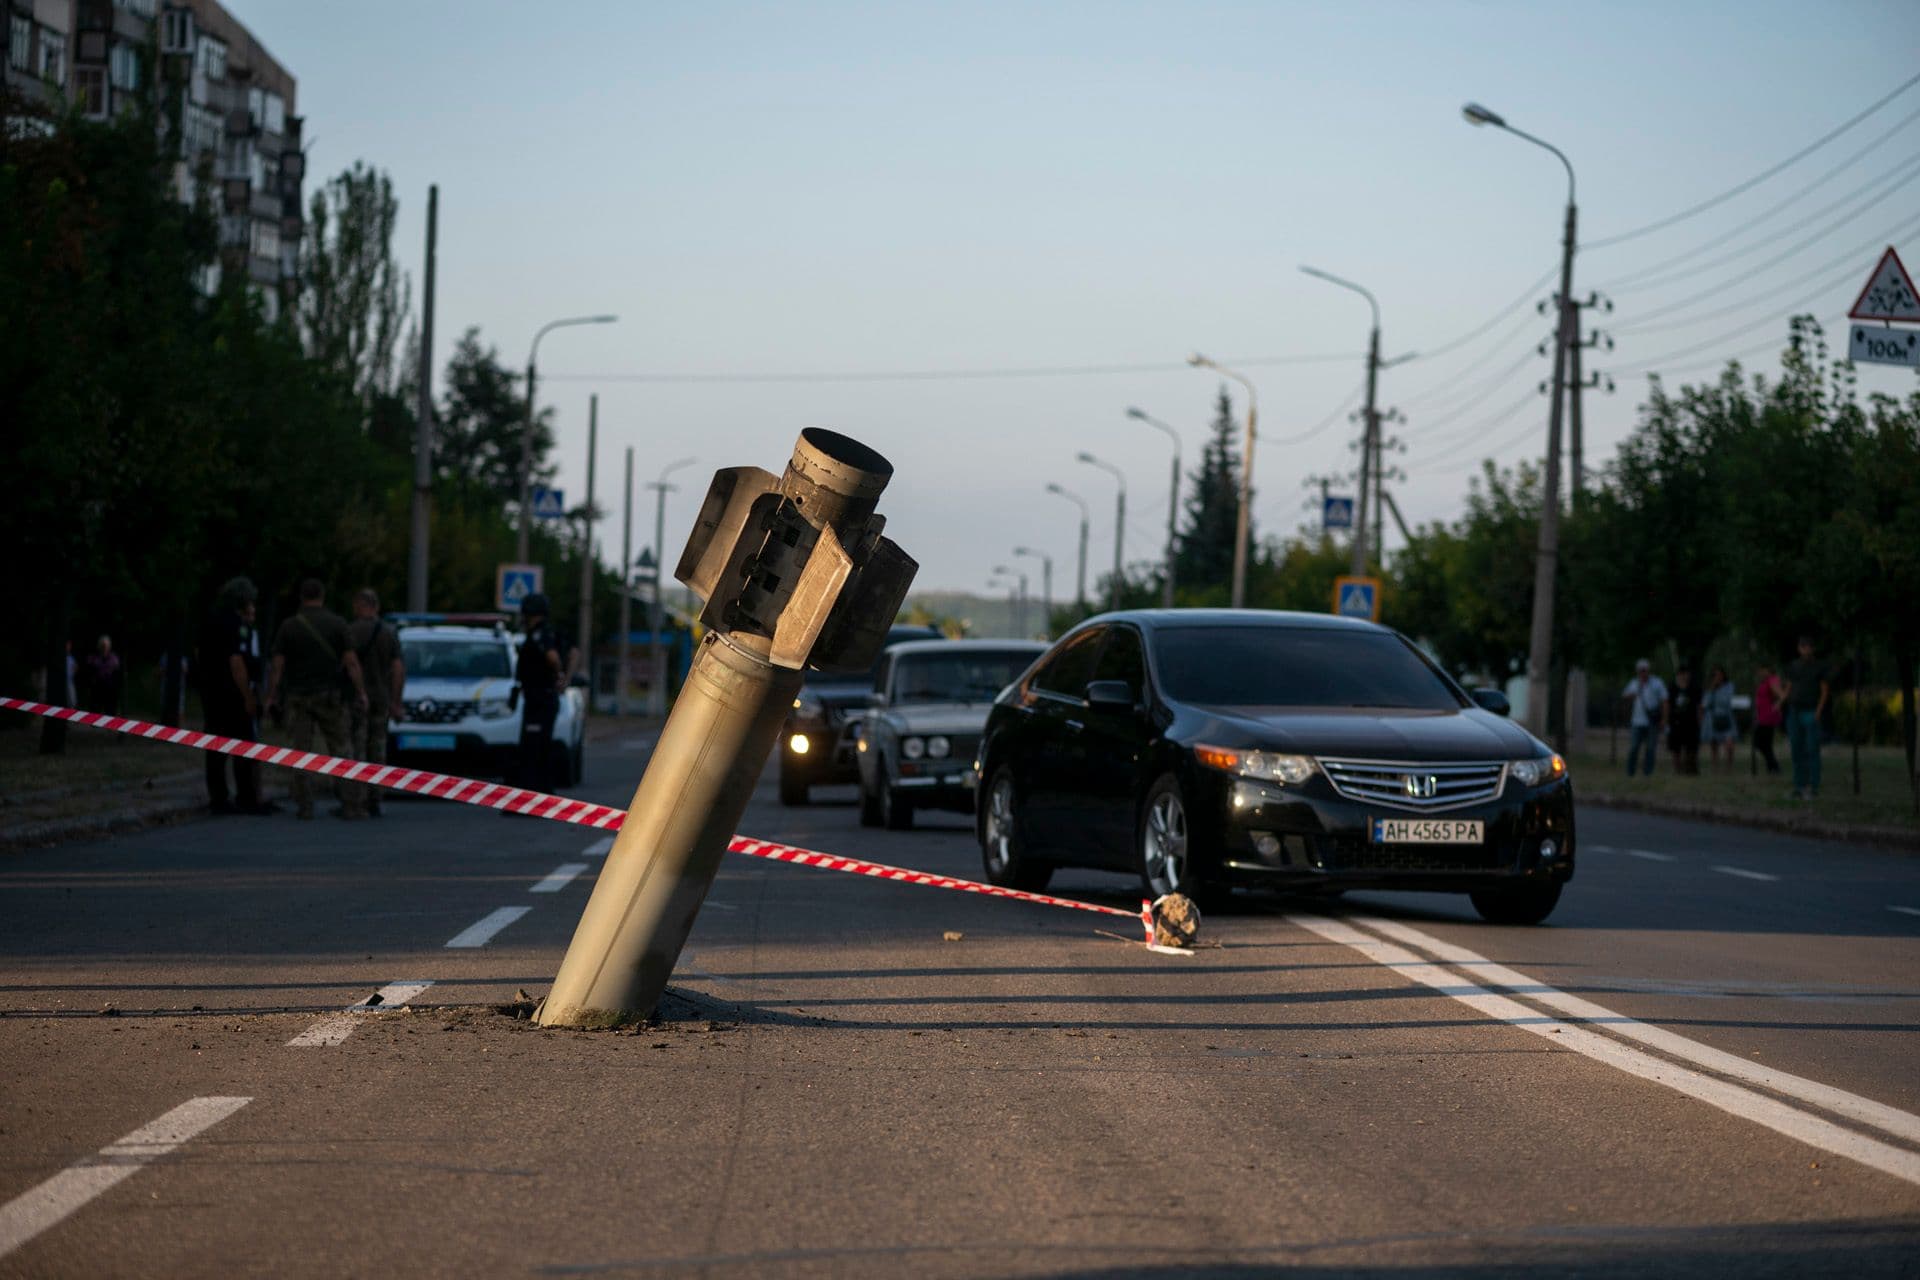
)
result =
(1882, 814)
(110, 782)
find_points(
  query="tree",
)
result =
(1205, 558)
(354, 298)
(481, 419)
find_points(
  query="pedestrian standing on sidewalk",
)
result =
(1648, 697)
(314, 663)
(228, 665)
(1767, 714)
(1683, 724)
(542, 675)
(1805, 695)
(385, 674)
(1717, 724)
(101, 675)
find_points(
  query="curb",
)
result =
(1897, 839)
(33, 835)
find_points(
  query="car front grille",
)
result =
(434, 711)
(1351, 853)
(1423, 788)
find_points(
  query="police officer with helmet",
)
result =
(542, 673)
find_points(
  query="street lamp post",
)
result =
(1243, 523)
(1173, 502)
(1119, 523)
(1080, 575)
(624, 648)
(657, 680)
(526, 433)
(1003, 576)
(1547, 552)
(1370, 470)
(1046, 585)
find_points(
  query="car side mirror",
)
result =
(1493, 700)
(1109, 695)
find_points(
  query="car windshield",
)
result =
(974, 676)
(1296, 667)
(455, 659)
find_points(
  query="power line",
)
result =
(1851, 201)
(1754, 181)
(1816, 185)
(1531, 397)
(1433, 353)
(1484, 391)
(1851, 256)
(1319, 426)
(1477, 362)
(947, 375)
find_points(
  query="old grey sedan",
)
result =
(928, 706)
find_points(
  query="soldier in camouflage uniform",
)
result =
(384, 672)
(314, 662)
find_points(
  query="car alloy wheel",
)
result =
(1002, 847)
(999, 834)
(1163, 840)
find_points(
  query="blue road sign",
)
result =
(513, 583)
(549, 504)
(1357, 597)
(1336, 513)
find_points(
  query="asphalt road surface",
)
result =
(1707, 1062)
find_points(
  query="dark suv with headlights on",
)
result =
(1206, 749)
(929, 703)
(817, 742)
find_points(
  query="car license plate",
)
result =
(425, 742)
(1428, 831)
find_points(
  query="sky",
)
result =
(1051, 206)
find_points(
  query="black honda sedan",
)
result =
(1207, 749)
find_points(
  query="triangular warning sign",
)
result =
(1889, 294)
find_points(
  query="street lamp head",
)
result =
(1477, 115)
(1054, 488)
(602, 319)
(1084, 456)
(1136, 413)
(1199, 361)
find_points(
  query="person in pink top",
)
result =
(1767, 714)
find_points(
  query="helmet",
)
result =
(536, 602)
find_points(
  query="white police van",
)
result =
(461, 709)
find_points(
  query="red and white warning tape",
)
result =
(536, 804)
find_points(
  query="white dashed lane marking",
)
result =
(336, 1027)
(599, 848)
(561, 876)
(1745, 874)
(1648, 854)
(481, 932)
(27, 1215)
(1906, 911)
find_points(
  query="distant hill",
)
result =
(984, 616)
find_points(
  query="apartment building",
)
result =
(231, 101)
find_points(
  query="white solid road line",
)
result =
(1906, 911)
(559, 878)
(30, 1213)
(1877, 1115)
(1731, 1098)
(336, 1027)
(599, 848)
(1648, 854)
(1745, 874)
(481, 932)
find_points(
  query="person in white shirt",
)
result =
(1648, 698)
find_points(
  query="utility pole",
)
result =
(587, 564)
(1547, 552)
(1579, 383)
(1173, 505)
(423, 428)
(1080, 575)
(621, 683)
(656, 619)
(1046, 586)
(525, 542)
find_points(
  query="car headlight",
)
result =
(1269, 766)
(913, 748)
(798, 744)
(495, 708)
(1531, 773)
(938, 748)
(809, 707)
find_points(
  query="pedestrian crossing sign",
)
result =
(1357, 597)
(1336, 513)
(549, 504)
(513, 583)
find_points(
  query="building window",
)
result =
(213, 58)
(53, 56)
(90, 87)
(276, 113)
(145, 8)
(19, 42)
(266, 241)
(123, 67)
(176, 31)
